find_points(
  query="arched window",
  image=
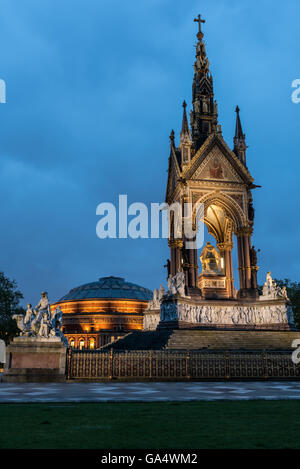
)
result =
(81, 344)
(92, 343)
(72, 343)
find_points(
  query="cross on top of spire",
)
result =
(199, 20)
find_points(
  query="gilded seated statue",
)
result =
(210, 260)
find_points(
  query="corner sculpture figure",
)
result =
(168, 266)
(29, 314)
(176, 284)
(155, 303)
(272, 291)
(39, 322)
(43, 305)
(253, 256)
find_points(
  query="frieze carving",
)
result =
(228, 315)
(151, 320)
(207, 185)
(168, 312)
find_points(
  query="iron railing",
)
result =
(180, 365)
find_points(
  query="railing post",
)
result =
(68, 363)
(90, 363)
(111, 363)
(188, 365)
(227, 365)
(265, 364)
(150, 364)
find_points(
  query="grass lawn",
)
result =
(194, 425)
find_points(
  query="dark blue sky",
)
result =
(94, 88)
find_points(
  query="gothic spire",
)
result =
(204, 116)
(238, 128)
(172, 138)
(239, 140)
(185, 139)
(185, 126)
(202, 63)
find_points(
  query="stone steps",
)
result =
(148, 340)
(231, 340)
(203, 339)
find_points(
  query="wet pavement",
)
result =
(147, 392)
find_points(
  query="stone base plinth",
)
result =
(213, 286)
(35, 360)
(187, 313)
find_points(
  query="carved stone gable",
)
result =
(216, 167)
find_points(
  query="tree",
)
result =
(10, 298)
(293, 290)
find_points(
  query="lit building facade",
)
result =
(98, 313)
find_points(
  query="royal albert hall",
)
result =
(98, 313)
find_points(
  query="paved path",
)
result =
(156, 392)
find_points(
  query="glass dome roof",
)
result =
(111, 288)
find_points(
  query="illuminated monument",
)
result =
(204, 171)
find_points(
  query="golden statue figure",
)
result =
(210, 260)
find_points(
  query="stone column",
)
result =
(189, 241)
(254, 276)
(173, 258)
(226, 252)
(192, 255)
(241, 262)
(196, 267)
(229, 271)
(246, 241)
(179, 244)
(247, 288)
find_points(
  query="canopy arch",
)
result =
(232, 211)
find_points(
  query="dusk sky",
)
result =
(94, 89)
